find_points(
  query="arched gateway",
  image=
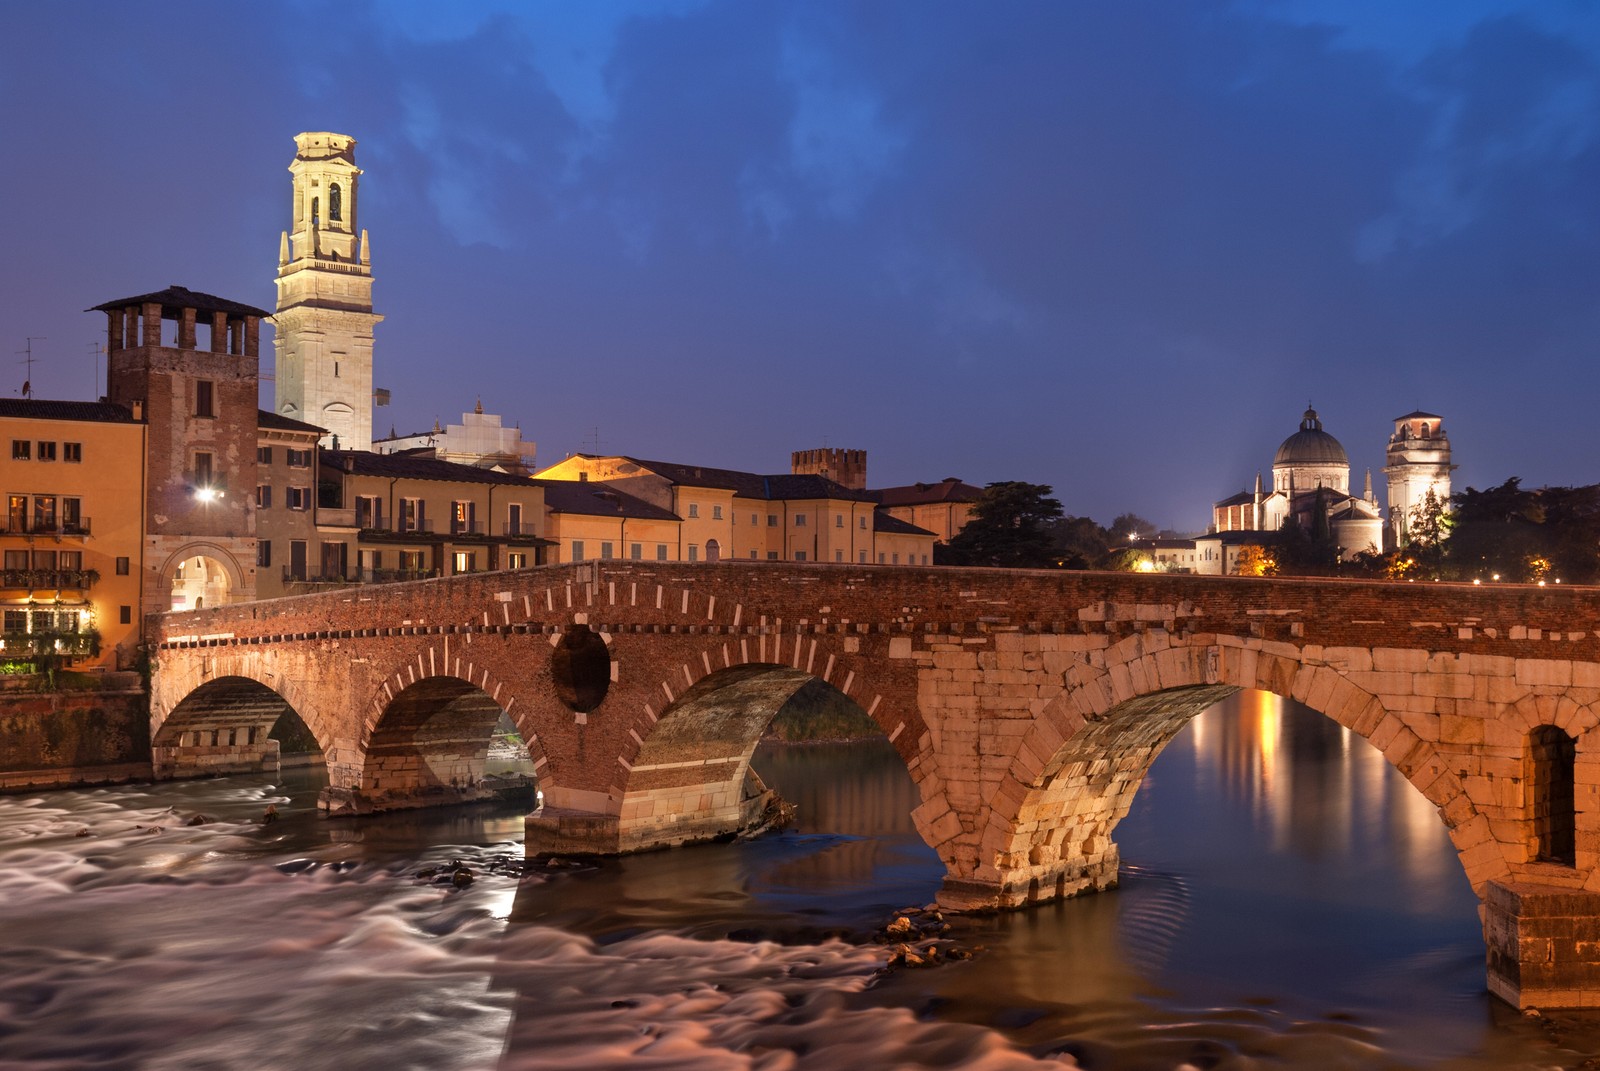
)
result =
(1027, 707)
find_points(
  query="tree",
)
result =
(1080, 543)
(1495, 533)
(1256, 560)
(1011, 527)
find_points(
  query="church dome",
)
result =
(1310, 446)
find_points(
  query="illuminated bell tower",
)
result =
(1418, 462)
(325, 319)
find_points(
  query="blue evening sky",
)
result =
(1111, 247)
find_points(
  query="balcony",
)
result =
(467, 528)
(37, 644)
(49, 579)
(76, 527)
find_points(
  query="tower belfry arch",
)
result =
(324, 318)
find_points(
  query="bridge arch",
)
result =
(688, 775)
(222, 725)
(1048, 830)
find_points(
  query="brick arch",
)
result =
(232, 703)
(687, 772)
(201, 548)
(1581, 721)
(469, 685)
(1048, 830)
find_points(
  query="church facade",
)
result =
(1311, 485)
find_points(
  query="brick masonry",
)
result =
(1027, 706)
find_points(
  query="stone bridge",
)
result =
(1026, 705)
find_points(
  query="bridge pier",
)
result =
(1543, 945)
(1034, 885)
(213, 752)
(582, 823)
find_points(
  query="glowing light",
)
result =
(206, 494)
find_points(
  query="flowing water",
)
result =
(1287, 902)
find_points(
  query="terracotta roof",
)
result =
(266, 418)
(882, 522)
(597, 500)
(1240, 536)
(949, 489)
(1236, 500)
(1419, 415)
(174, 298)
(749, 484)
(41, 409)
(407, 467)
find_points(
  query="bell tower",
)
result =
(1418, 462)
(324, 319)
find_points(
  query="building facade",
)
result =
(72, 533)
(324, 319)
(481, 439)
(1417, 464)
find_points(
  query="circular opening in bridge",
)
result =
(581, 669)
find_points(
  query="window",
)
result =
(636, 551)
(125, 615)
(263, 455)
(335, 202)
(335, 561)
(297, 459)
(772, 555)
(17, 513)
(316, 211)
(45, 560)
(896, 557)
(263, 552)
(716, 513)
(16, 559)
(44, 513)
(753, 555)
(47, 450)
(863, 524)
(72, 453)
(369, 511)
(799, 555)
(463, 517)
(21, 449)
(72, 515)
(297, 560)
(297, 498)
(863, 557)
(516, 560)
(204, 402)
(694, 552)
(577, 550)
(772, 520)
(16, 620)
(881, 556)
(414, 561)
(411, 515)
(202, 469)
(514, 520)
(464, 561)
(264, 496)
(661, 552)
(838, 555)
(694, 509)
(799, 520)
(838, 520)
(755, 520)
(122, 566)
(607, 551)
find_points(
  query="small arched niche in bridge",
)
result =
(1550, 781)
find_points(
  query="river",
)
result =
(1288, 901)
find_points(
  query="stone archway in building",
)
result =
(713, 550)
(198, 576)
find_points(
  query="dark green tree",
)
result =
(1011, 526)
(1080, 543)
(1497, 532)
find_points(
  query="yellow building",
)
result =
(942, 508)
(726, 513)
(74, 487)
(286, 497)
(384, 517)
(593, 520)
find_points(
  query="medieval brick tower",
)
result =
(1418, 462)
(325, 319)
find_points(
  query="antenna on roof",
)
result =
(27, 384)
(594, 440)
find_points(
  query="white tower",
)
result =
(1418, 462)
(325, 319)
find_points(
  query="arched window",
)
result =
(1424, 429)
(1552, 811)
(316, 212)
(335, 202)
